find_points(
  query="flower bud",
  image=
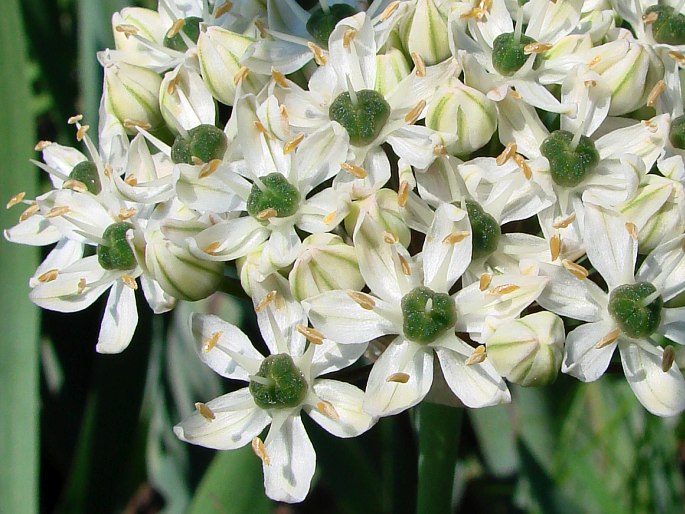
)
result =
(385, 209)
(133, 95)
(528, 351)
(138, 21)
(326, 263)
(220, 52)
(178, 272)
(424, 31)
(391, 68)
(184, 99)
(463, 111)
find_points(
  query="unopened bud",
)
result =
(133, 94)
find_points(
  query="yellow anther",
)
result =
(129, 281)
(211, 342)
(15, 200)
(677, 57)
(523, 166)
(205, 411)
(555, 247)
(406, 269)
(415, 112)
(650, 126)
(353, 169)
(319, 56)
(439, 150)
(81, 286)
(279, 78)
(362, 299)
(57, 211)
(418, 64)
(261, 27)
(196, 160)
(478, 356)
(262, 129)
(108, 170)
(398, 378)
(456, 237)
(222, 9)
(260, 450)
(290, 146)
(503, 289)
(284, 113)
(348, 37)
(632, 230)
(81, 132)
(514, 94)
(264, 303)
(240, 74)
(608, 339)
(484, 281)
(209, 168)
(176, 28)
(565, 222)
(212, 247)
(267, 214)
(48, 276)
(133, 124)
(32, 209)
(125, 214)
(590, 83)
(74, 185)
(328, 218)
(667, 359)
(75, 119)
(654, 94)
(326, 408)
(403, 193)
(650, 18)
(387, 12)
(42, 145)
(508, 152)
(595, 61)
(389, 238)
(536, 48)
(575, 269)
(127, 29)
(311, 334)
(131, 180)
(475, 13)
(173, 83)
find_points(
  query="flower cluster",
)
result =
(430, 186)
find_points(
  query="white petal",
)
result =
(158, 300)
(281, 250)
(324, 211)
(673, 324)
(237, 420)
(236, 238)
(661, 393)
(569, 296)
(319, 156)
(66, 253)
(349, 419)
(35, 230)
(330, 356)
(664, 267)
(119, 320)
(581, 359)
(222, 191)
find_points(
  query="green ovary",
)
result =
(676, 134)
(321, 23)
(569, 166)
(427, 314)
(205, 142)
(627, 308)
(87, 173)
(115, 252)
(669, 26)
(363, 120)
(191, 28)
(277, 194)
(508, 56)
(282, 386)
(485, 231)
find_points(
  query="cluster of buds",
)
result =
(464, 181)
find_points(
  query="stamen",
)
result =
(48, 276)
(212, 247)
(261, 28)
(81, 286)
(478, 356)
(608, 339)
(326, 408)
(350, 90)
(353, 169)
(267, 214)
(650, 18)
(42, 145)
(328, 218)
(135, 124)
(209, 168)
(222, 9)
(389, 238)
(260, 450)
(575, 269)
(508, 152)
(650, 125)
(503, 289)
(240, 74)
(518, 28)
(108, 171)
(311, 334)
(654, 94)
(632, 230)
(211, 342)
(175, 28)
(484, 281)
(418, 64)
(565, 222)
(58, 211)
(414, 114)
(667, 359)
(290, 146)
(32, 209)
(173, 83)
(205, 411)
(677, 57)
(595, 61)
(279, 78)
(74, 185)
(387, 12)
(268, 298)
(127, 29)
(75, 119)
(536, 48)
(403, 193)
(129, 281)
(81, 132)
(284, 113)
(590, 83)
(439, 150)
(363, 300)
(196, 160)
(125, 214)
(15, 200)
(555, 247)
(260, 128)
(319, 56)
(348, 37)
(514, 94)
(398, 378)
(523, 166)
(456, 237)
(406, 269)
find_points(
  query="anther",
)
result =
(279, 78)
(290, 146)
(418, 64)
(363, 300)
(173, 83)
(209, 168)
(175, 28)
(260, 128)
(15, 200)
(32, 209)
(205, 411)
(650, 125)
(414, 114)
(261, 27)
(608, 339)
(353, 169)
(478, 356)
(514, 94)
(650, 18)
(212, 247)
(81, 132)
(328, 218)
(590, 83)
(42, 145)
(565, 222)
(75, 119)
(260, 450)
(632, 230)
(134, 124)
(326, 408)
(284, 113)
(439, 150)
(211, 342)
(311, 334)
(348, 37)
(389, 238)
(536, 48)
(222, 9)
(196, 160)
(264, 303)
(398, 378)
(508, 152)
(387, 12)
(267, 214)
(240, 74)
(575, 269)
(125, 214)
(127, 29)
(656, 91)
(484, 281)
(523, 166)
(74, 185)
(403, 193)
(406, 269)
(677, 57)
(503, 289)
(108, 170)
(129, 282)
(57, 211)
(48, 276)
(81, 286)
(667, 359)
(555, 247)
(595, 61)
(456, 237)
(319, 56)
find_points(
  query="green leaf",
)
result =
(19, 400)
(496, 438)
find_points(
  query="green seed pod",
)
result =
(116, 252)
(278, 194)
(508, 56)
(205, 142)
(87, 173)
(569, 166)
(282, 384)
(427, 314)
(321, 23)
(627, 307)
(676, 134)
(485, 230)
(363, 120)
(191, 28)
(669, 26)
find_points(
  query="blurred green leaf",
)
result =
(19, 400)
(496, 438)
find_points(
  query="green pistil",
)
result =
(427, 314)
(277, 194)
(87, 173)
(508, 55)
(635, 309)
(205, 142)
(363, 119)
(278, 383)
(321, 23)
(191, 28)
(115, 252)
(677, 132)
(485, 231)
(569, 166)
(669, 26)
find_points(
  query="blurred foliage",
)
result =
(105, 423)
